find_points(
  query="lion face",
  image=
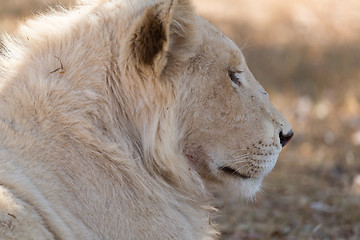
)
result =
(233, 133)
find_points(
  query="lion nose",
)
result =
(285, 138)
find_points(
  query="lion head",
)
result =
(227, 129)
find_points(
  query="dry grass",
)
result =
(306, 53)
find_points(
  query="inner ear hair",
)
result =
(151, 37)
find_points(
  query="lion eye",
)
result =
(236, 77)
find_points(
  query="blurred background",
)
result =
(306, 53)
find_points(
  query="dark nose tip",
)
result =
(285, 138)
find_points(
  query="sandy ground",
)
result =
(306, 53)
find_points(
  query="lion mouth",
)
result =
(233, 172)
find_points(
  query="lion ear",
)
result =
(148, 40)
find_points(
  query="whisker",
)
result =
(243, 156)
(243, 167)
(238, 161)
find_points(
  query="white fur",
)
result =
(96, 139)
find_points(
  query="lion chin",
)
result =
(245, 189)
(245, 186)
(116, 118)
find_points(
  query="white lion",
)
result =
(117, 115)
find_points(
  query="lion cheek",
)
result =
(198, 160)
